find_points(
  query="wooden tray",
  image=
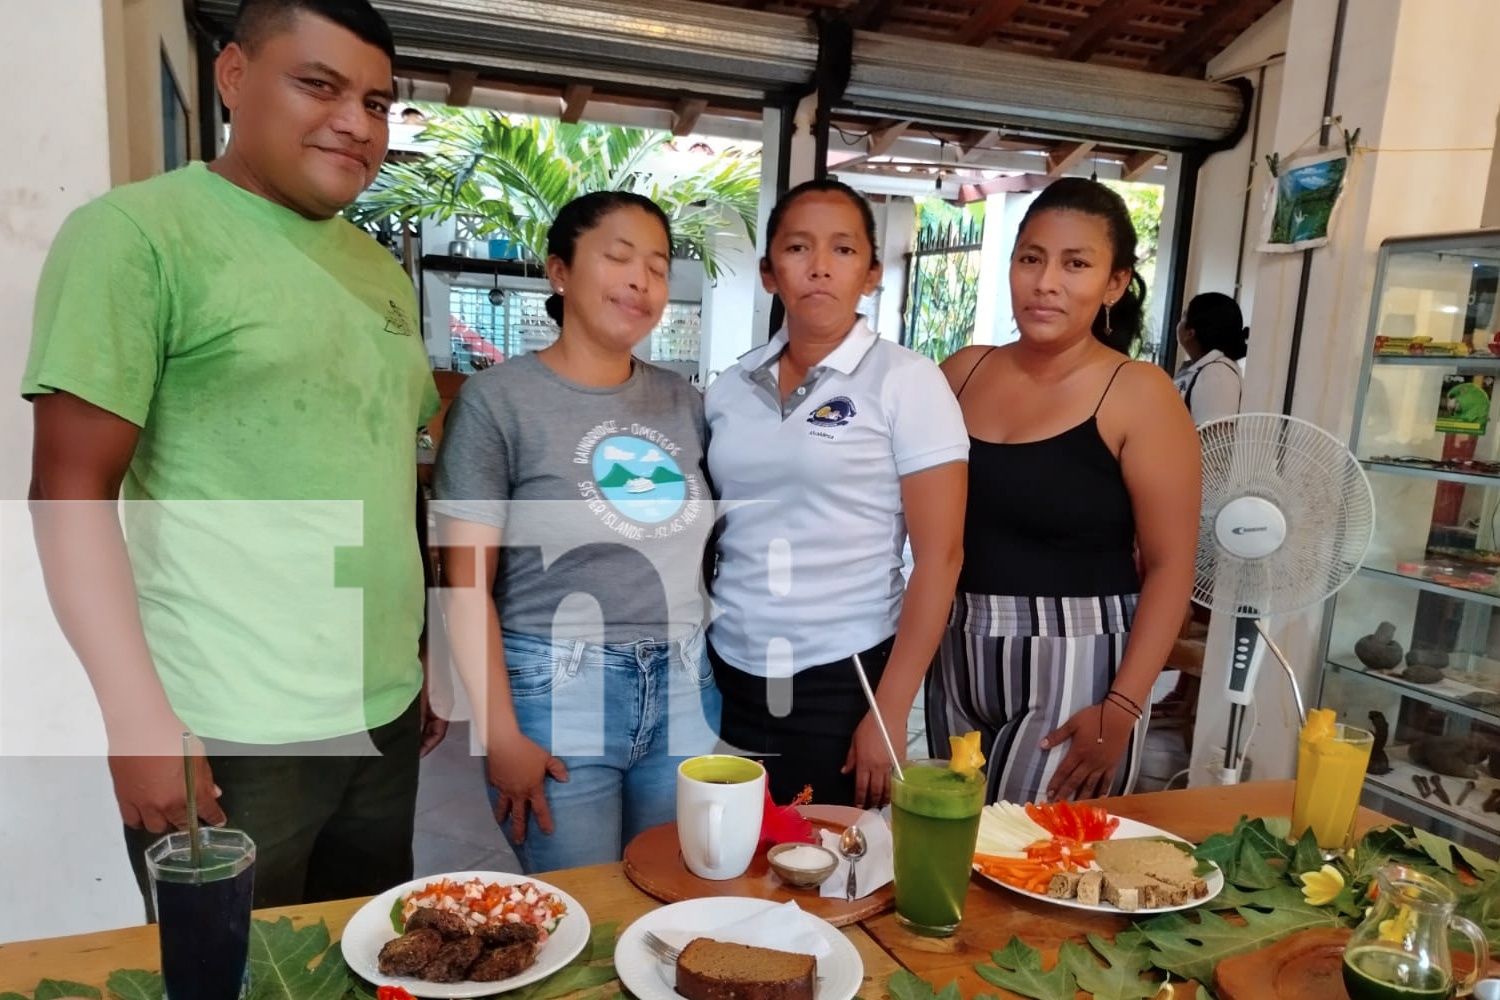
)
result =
(654, 864)
(1308, 965)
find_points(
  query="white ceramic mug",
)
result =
(720, 802)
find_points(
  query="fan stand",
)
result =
(1249, 634)
(1248, 527)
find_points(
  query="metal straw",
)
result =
(890, 748)
(195, 851)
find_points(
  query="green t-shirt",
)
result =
(276, 368)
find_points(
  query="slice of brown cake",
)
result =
(713, 970)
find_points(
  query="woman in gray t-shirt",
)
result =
(579, 639)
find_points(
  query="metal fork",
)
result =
(665, 952)
(661, 949)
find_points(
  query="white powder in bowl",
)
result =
(804, 857)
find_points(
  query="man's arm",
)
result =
(79, 456)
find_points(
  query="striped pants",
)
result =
(1016, 668)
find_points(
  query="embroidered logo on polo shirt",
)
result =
(837, 412)
(396, 321)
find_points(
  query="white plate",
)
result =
(841, 972)
(370, 928)
(1129, 828)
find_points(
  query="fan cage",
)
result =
(1320, 489)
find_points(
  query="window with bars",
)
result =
(484, 332)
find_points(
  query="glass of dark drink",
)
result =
(203, 913)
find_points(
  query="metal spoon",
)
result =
(852, 847)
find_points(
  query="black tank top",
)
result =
(1049, 518)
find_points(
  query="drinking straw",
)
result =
(890, 748)
(195, 852)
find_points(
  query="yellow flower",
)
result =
(1322, 886)
(1400, 927)
(965, 757)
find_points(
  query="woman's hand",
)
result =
(871, 763)
(1089, 768)
(518, 769)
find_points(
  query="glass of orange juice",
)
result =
(1331, 763)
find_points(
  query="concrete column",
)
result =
(1423, 91)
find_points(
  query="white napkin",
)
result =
(874, 870)
(785, 928)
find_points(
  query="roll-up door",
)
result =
(674, 47)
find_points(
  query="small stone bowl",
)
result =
(802, 878)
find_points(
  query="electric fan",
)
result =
(1287, 516)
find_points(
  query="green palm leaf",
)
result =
(509, 177)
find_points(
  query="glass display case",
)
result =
(1412, 644)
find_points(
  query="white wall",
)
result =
(1430, 123)
(60, 845)
(1226, 184)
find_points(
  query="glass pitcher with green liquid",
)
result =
(1401, 950)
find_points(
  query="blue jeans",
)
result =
(622, 717)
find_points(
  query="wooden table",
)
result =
(992, 915)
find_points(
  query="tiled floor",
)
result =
(456, 830)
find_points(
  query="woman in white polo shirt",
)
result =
(1212, 334)
(827, 448)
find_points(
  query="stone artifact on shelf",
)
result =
(1481, 699)
(1379, 650)
(1379, 762)
(1426, 658)
(1422, 674)
(1451, 755)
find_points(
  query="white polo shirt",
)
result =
(1211, 387)
(813, 530)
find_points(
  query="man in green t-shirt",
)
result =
(247, 370)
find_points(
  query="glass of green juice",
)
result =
(934, 825)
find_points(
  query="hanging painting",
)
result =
(1301, 202)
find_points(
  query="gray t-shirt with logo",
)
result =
(600, 495)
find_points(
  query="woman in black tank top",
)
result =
(1077, 457)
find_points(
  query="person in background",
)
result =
(573, 515)
(1075, 452)
(1213, 336)
(828, 446)
(247, 369)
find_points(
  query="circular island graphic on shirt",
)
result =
(639, 479)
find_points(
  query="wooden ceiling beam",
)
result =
(685, 115)
(1100, 28)
(575, 98)
(1201, 38)
(1001, 185)
(972, 142)
(461, 87)
(1067, 156)
(987, 19)
(869, 15)
(1139, 164)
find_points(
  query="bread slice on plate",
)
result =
(716, 970)
(1091, 887)
(1166, 861)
